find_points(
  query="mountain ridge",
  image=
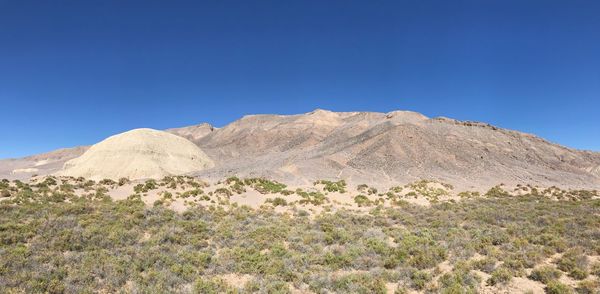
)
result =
(398, 146)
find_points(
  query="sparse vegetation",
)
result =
(574, 262)
(54, 241)
(545, 274)
(330, 186)
(277, 201)
(362, 200)
(500, 276)
(556, 287)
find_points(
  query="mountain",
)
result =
(379, 148)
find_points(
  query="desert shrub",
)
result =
(395, 189)
(265, 186)
(192, 193)
(49, 181)
(417, 251)
(277, 201)
(578, 274)
(234, 179)
(425, 188)
(419, 279)
(362, 188)
(145, 187)
(167, 195)
(151, 184)
(87, 185)
(223, 192)
(286, 192)
(329, 186)
(139, 188)
(236, 185)
(314, 198)
(574, 262)
(210, 286)
(545, 274)
(459, 281)
(486, 265)
(358, 283)
(469, 194)
(501, 275)
(550, 241)
(82, 244)
(362, 200)
(497, 192)
(107, 182)
(555, 287)
(123, 181)
(238, 188)
(588, 287)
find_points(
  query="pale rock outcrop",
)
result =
(138, 154)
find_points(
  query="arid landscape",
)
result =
(322, 202)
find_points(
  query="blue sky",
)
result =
(75, 72)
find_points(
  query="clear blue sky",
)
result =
(74, 72)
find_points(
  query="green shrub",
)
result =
(362, 188)
(574, 262)
(460, 280)
(469, 194)
(192, 193)
(555, 287)
(545, 274)
(329, 186)
(578, 274)
(277, 201)
(107, 182)
(396, 189)
(358, 283)
(500, 276)
(123, 181)
(265, 186)
(210, 286)
(420, 279)
(486, 265)
(588, 287)
(362, 200)
(223, 192)
(147, 186)
(314, 198)
(497, 192)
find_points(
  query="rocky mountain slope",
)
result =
(376, 148)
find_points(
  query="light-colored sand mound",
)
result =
(138, 154)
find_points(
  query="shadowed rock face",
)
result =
(384, 148)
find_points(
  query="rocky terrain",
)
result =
(367, 147)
